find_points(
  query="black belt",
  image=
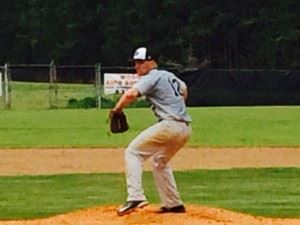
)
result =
(180, 121)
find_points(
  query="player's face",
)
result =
(142, 67)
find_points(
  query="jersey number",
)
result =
(175, 86)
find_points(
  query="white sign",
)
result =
(0, 83)
(115, 83)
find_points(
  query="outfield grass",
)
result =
(212, 127)
(35, 95)
(265, 192)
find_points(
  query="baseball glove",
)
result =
(118, 122)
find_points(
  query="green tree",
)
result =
(200, 33)
(7, 30)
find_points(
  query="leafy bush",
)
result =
(107, 103)
(85, 103)
(140, 103)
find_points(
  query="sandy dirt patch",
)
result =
(53, 161)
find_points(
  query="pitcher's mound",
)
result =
(195, 215)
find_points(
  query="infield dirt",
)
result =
(57, 161)
(195, 215)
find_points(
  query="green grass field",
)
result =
(35, 95)
(265, 192)
(212, 127)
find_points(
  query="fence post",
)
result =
(98, 83)
(7, 87)
(1, 87)
(52, 86)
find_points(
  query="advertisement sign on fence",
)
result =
(115, 83)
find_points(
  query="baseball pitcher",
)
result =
(159, 142)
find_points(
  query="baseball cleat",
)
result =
(130, 206)
(175, 209)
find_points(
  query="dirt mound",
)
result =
(196, 215)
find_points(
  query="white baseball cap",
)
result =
(142, 53)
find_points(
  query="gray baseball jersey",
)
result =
(164, 90)
(162, 140)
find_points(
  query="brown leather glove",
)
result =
(117, 122)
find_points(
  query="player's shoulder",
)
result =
(150, 78)
(162, 72)
(160, 75)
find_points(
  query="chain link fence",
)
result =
(51, 86)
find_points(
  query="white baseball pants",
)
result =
(159, 142)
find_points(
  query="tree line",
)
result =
(231, 34)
